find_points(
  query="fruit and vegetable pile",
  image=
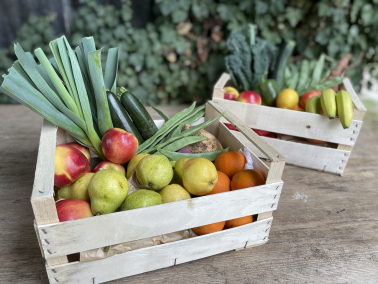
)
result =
(82, 193)
(175, 162)
(259, 71)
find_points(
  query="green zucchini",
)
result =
(285, 52)
(139, 115)
(120, 117)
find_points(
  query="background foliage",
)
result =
(178, 56)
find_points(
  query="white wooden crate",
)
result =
(57, 240)
(299, 124)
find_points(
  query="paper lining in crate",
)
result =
(331, 157)
(60, 239)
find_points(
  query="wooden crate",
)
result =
(331, 158)
(57, 240)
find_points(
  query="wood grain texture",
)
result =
(300, 124)
(218, 88)
(152, 258)
(325, 159)
(330, 238)
(272, 154)
(295, 123)
(100, 231)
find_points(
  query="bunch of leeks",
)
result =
(69, 90)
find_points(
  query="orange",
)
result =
(287, 99)
(314, 141)
(230, 163)
(247, 178)
(238, 222)
(223, 184)
(298, 108)
(208, 229)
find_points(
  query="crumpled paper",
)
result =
(100, 253)
(248, 157)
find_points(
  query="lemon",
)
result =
(287, 98)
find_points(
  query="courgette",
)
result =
(120, 117)
(285, 52)
(139, 115)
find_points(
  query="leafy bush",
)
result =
(178, 57)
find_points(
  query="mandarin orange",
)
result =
(223, 184)
(230, 163)
(247, 178)
(208, 229)
(238, 222)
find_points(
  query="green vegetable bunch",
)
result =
(311, 75)
(69, 90)
(250, 57)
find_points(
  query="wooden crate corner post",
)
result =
(42, 198)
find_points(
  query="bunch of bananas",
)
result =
(339, 104)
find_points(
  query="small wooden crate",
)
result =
(58, 240)
(331, 158)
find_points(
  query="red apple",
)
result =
(70, 164)
(250, 97)
(106, 165)
(271, 135)
(303, 100)
(118, 145)
(261, 132)
(82, 149)
(89, 170)
(230, 93)
(230, 126)
(73, 209)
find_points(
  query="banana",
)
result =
(313, 105)
(328, 103)
(344, 108)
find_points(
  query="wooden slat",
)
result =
(270, 153)
(84, 234)
(295, 123)
(42, 199)
(152, 258)
(305, 155)
(43, 183)
(218, 88)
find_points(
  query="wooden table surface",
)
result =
(328, 235)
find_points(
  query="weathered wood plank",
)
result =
(152, 258)
(295, 123)
(272, 154)
(305, 155)
(84, 234)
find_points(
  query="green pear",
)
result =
(154, 172)
(176, 179)
(174, 192)
(179, 166)
(107, 190)
(133, 163)
(141, 198)
(78, 189)
(200, 176)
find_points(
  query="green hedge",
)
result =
(177, 58)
